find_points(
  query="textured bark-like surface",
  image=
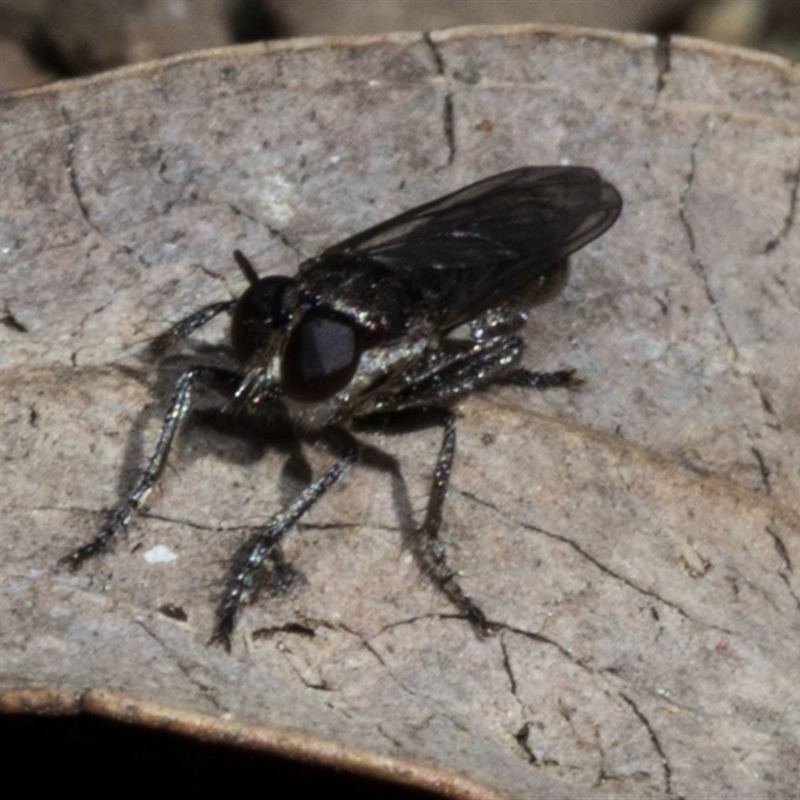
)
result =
(635, 541)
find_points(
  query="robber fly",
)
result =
(402, 319)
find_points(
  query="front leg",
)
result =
(220, 379)
(186, 327)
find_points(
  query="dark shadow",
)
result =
(250, 21)
(100, 755)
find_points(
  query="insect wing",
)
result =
(480, 246)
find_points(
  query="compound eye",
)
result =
(321, 357)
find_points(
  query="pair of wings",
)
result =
(482, 245)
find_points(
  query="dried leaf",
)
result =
(636, 540)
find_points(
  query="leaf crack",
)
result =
(379, 658)
(512, 681)
(448, 115)
(763, 469)
(780, 548)
(522, 737)
(10, 321)
(449, 127)
(275, 233)
(700, 269)
(788, 223)
(205, 690)
(436, 53)
(600, 566)
(74, 184)
(665, 765)
(662, 53)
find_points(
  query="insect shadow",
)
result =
(246, 440)
(388, 328)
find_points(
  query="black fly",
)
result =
(404, 318)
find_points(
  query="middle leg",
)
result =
(245, 577)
